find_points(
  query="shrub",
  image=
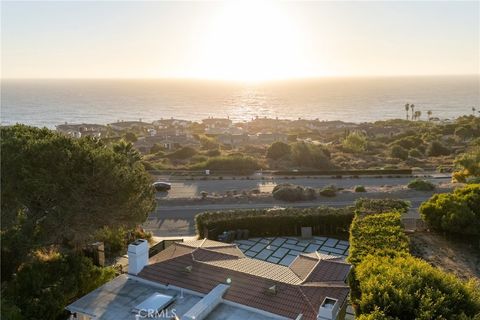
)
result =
(435, 149)
(355, 142)
(364, 206)
(213, 153)
(310, 156)
(130, 137)
(269, 222)
(329, 191)
(421, 185)
(182, 153)
(408, 142)
(117, 240)
(292, 193)
(409, 288)
(399, 152)
(360, 189)
(278, 150)
(457, 212)
(238, 164)
(469, 163)
(380, 234)
(415, 153)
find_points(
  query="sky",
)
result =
(238, 40)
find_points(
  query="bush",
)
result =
(329, 191)
(130, 137)
(421, 185)
(360, 189)
(457, 212)
(364, 206)
(310, 156)
(238, 164)
(435, 149)
(380, 234)
(355, 142)
(182, 153)
(278, 150)
(213, 153)
(117, 240)
(269, 222)
(415, 153)
(469, 163)
(44, 287)
(399, 152)
(292, 193)
(409, 288)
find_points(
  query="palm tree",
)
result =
(412, 107)
(407, 107)
(429, 112)
(473, 110)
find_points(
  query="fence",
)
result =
(162, 245)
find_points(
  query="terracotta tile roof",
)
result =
(251, 278)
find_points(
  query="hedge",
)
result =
(276, 222)
(343, 172)
(365, 206)
(379, 234)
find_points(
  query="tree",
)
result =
(60, 191)
(278, 150)
(355, 142)
(469, 163)
(412, 107)
(407, 107)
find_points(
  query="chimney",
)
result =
(137, 256)
(328, 309)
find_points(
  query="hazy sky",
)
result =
(238, 40)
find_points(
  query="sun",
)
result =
(252, 41)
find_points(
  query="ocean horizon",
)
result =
(50, 102)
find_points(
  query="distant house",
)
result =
(217, 122)
(82, 130)
(268, 138)
(162, 123)
(233, 140)
(128, 125)
(204, 279)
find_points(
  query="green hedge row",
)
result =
(378, 234)
(276, 222)
(388, 283)
(343, 172)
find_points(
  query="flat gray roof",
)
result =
(116, 299)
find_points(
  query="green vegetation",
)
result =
(377, 234)
(182, 153)
(236, 164)
(310, 156)
(404, 287)
(116, 240)
(468, 165)
(457, 212)
(399, 152)
(292, 193)
(130, 136)
(388, 283)
(360, 189)
(355, 142)
(435, 149)
(421, 185)
(328, 191)
(276, 222)
(278, 150)
(57, 194)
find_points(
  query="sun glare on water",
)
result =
(252, 41)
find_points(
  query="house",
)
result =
(268, 138)
(234, 140)
(82, 130)
(129, 125)
(217, 123)
(204, 279)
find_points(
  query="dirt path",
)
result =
(462, 259)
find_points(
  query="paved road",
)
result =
(188, 189)
(179, 220)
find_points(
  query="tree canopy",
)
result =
(60, 191)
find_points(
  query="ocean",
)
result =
(52, 102)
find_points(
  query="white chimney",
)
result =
(137, 256)
(328, 309)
